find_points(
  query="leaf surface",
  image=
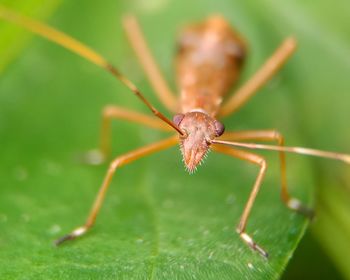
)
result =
(157, 222)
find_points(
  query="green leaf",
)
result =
(157, 222)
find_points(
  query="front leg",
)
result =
(260, 161)
(111, 112)
(273, 135)
(118, 162)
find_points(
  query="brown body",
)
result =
(210, 55)
(208, 62)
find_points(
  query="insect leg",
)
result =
(273, 135)
(260, 78)
(138, 43)
(114, 112)
(260, 161)
(118, 162)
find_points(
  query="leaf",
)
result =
(157, 222)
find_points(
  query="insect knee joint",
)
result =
(278, 136)
(114, 165)
(108, 111)
(262, 162)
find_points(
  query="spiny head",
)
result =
(199, 130)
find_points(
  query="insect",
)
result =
(209, 58)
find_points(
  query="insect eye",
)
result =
(178, 118)
(219, 128)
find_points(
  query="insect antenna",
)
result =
(80, 49)
(297, 150)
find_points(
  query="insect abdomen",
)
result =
(210, 55)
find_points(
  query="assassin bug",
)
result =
(209, 59)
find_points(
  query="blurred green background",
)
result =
(158, 222)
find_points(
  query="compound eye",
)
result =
(178, 118)
(219, 128)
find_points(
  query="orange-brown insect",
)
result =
(209, 59)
